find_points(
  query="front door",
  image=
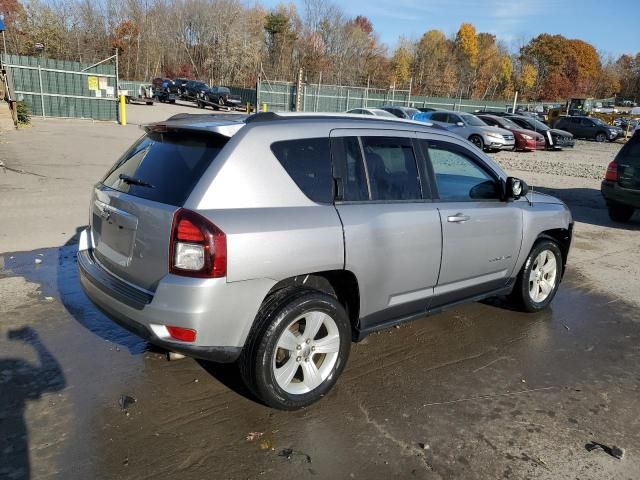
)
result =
(481, 234)
(391, 227)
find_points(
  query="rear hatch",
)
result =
(629, 164)
(132, 207)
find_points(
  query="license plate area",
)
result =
(114, 233)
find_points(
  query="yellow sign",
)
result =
(93, 83)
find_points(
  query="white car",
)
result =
(378, 112)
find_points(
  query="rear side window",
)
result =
(391, 164)
(439, 117)
(308, 163)
(164, 167)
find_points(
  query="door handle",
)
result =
(458, 218)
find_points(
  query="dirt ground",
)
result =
(475, 393)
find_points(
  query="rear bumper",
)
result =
(614, 193)
(221, 313)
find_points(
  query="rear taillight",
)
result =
(612, 172)
(198, 248)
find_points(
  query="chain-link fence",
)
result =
(283, 97)
(56, 88)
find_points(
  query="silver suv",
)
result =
(472, 128)
(278, 240)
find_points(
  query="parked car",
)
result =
(377, 112)
(525, 139)
(401, 112)
(179, 85)
(621, 185)
(590, 128)
(163, 93)
(555, 139)
(222, 97)
(276, 241)
(194, 89)
(470, 127)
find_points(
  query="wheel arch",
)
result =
(562, 237)
(341, 284)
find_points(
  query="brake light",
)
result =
(612, 172)
(197, 248)
(182, 334)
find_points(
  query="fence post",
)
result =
(366, 94)
(409, 97)
(347, 101)
(315, 109)
(41, 90)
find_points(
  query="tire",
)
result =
(620, 213)
(529, 292)
(477, 141)
(278, 321)
(601, 137)
(172, 101)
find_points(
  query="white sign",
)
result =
(98, 93)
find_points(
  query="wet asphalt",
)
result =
(478, 392)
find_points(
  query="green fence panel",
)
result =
(61, 88)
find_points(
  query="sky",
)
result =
(612, 27)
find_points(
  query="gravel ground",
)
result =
(586, 160)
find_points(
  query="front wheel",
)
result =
(298, 348)
(477, 141)
(601, 137)
(539, 278)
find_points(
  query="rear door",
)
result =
(132, 207)
(629, 164)
(391, 227)
(481, 234)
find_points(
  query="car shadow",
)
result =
(81, 308)
(22, 381)
(588, 206)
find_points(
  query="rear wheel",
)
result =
(601, 137)
(298, 348)
(477, 141)
(539, 278)
(620, 213)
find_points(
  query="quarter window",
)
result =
(308, 163)
(392, 169)
(458, 177)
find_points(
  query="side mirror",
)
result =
(515, 188)
(460, 124)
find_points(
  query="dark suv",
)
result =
(179, 85)
(621, 185)
(587, 127)
(194, 89)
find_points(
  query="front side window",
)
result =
(308, 163)
(392, 169)
(458, 176)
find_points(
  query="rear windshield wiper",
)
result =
(134, 181)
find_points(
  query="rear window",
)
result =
(164, 167)
(308, 163)
(628, 160)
